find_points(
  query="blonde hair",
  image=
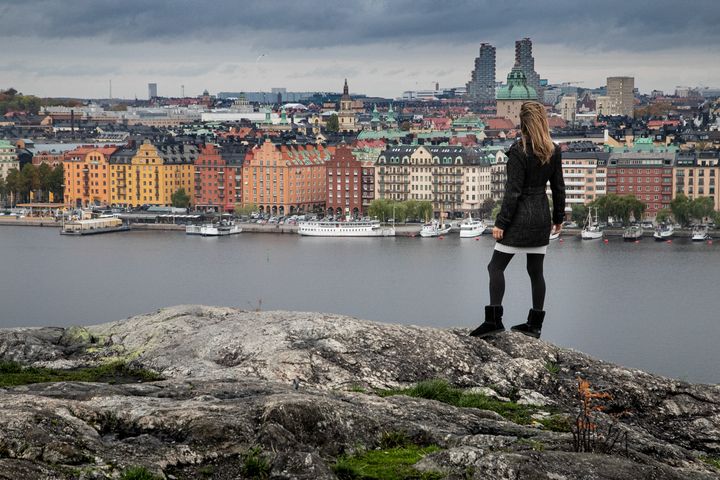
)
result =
(534, 127)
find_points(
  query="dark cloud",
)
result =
(609, 24)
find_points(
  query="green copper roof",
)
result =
(517, 87)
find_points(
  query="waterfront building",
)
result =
(481, 87)
(52, 158)
(285, 179)
(696, 176)
(498, 176)
(87, 176)
(621, 91)
(645, 172)
(151, 174)
(454, 179)
(344, 174)
(525, 60)
(511, 96)
(218, 177)
(585, 176)
(8, 158)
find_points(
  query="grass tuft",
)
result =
(388, 464)
(138, 473)
(255, 464)
(13, 374)
(712, 461)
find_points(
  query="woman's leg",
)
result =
(496, 269)
(537, 279)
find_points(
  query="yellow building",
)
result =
(151, 174)
(86, 176)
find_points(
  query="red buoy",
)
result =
(669, 241)
(561, 240)
(477, 239)
(637, 241)
(606, 240)
(441, 237)
(709, 242)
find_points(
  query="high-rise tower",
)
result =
(524, 58)
(621, 91)
(481, 87)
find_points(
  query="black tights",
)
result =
(496, 268)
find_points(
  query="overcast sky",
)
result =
(383, 47)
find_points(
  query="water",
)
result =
(651, 305)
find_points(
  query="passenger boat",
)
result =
(700, 233)
(471, 227)
(93, 226)
(664, 232)
(360, 228)
(633, 233)
(220, 229)
(592, 229)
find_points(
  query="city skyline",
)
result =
(384, 48)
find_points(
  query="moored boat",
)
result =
(360, 228)
(700, 233)
(633, 233)
(93, 226)
(592, 229)
(471, 227)
(664, 232)
(434, 229)
(220, 229)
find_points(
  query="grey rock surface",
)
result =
(285, 382)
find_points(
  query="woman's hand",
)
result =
(498, 233)
(557, 228)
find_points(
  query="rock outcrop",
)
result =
(299, 387)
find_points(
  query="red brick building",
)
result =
(344, 183)
(218, 177)
(647, 176)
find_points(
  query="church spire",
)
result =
(345, 88)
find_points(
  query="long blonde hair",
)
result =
(534, 127)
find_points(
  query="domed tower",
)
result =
(511, 96)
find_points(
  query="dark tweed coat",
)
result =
(525, 212)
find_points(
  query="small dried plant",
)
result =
(586, 436)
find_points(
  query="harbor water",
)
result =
(648, 305)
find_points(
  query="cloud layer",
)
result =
(310, 44)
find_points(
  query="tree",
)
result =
(495, 211)
(13, 184)
(180, 199)
(618, 207)
(332, 124)
(487, 207)
(398, 211)
(680, 207)
(411, 209)
(30, 179)
(3, 190)
(380, 208)
(244, 210)
(425, 210)
(579, 213)
(44, 175)
(701, 207)
(663, 216)
(55, 183)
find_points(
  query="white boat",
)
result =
(664, 232)
(700, 233)
(592, 230)
(220, 229)
(361, 228)
(471, 227)
(434, 229)
(93, 226)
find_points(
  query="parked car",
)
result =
(647, 225)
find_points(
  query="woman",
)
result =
(524, 222)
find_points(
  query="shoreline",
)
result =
(401, 230)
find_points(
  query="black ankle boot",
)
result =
(533, 325)
(492, 324)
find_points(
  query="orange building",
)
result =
(87, 176)
(285, 179)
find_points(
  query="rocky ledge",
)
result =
(304, 395)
